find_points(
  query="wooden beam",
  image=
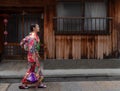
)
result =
(12, 10)
(26, 3)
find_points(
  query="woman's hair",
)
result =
(32, 26)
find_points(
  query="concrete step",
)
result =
(81, 64)
(73, 64)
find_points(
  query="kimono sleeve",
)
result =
(22, 42)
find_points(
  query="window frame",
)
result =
(92, 32)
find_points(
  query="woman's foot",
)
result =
(23, 87)
(42, 86)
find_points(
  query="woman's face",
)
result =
(37, 28)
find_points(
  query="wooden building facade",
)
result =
(70, 29)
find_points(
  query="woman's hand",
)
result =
(37, 54)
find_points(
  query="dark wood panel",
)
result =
(1, 34)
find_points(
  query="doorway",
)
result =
(18, 27)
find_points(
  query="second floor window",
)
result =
(92, 10)
(88, 16)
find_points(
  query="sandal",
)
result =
(23, 87)
(42, 86)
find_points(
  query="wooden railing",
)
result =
(82, 25)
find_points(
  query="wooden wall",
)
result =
(117, 22)
(49, 37)
(75, 46)
(82, 46)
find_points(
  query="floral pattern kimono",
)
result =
(30, 43)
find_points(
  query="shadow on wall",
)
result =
(114, 54)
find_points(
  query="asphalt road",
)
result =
(68, 86)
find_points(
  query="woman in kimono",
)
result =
(31, 44)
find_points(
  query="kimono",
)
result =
(30, 44)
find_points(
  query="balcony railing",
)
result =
(82, 25)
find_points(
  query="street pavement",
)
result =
(4, 86)
(16, 70)
(69, 86)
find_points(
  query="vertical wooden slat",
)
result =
(22, 26)
(100, 47)
(59, 48)
(27, 28)
(66, 47)
(96, 47)
(45, 26)
(74, 47)
(88, 47)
